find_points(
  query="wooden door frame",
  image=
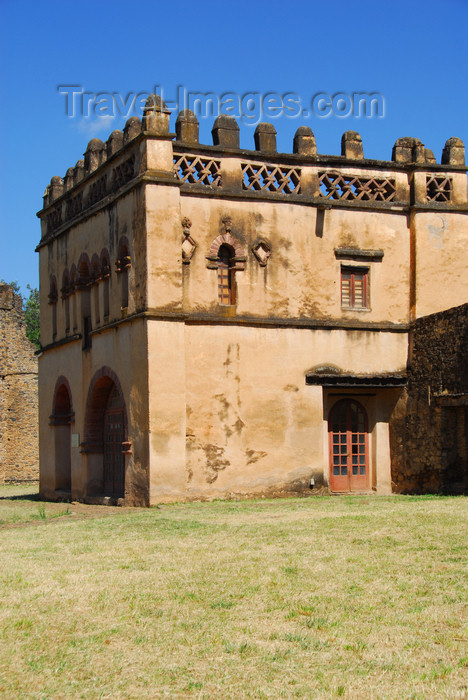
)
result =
(348, 400)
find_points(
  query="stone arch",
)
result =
(106, 449)
(234, 243)
(61, 418)
(84, 271)
(95, 268)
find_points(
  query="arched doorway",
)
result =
(105, 436)
(61, 418)
(114, 459)
(349, 446)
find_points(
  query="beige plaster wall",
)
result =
(124, 350)
(252, 424)
(302, 277)
(441, 261)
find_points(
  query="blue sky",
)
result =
(412, 54)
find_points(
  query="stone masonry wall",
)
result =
(429, 424)
(19, 449)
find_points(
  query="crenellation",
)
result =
(114, 143)
(453, 152)
(131, 130)
(304, 142)
(351, 146)
(156, 116)
(187, 127)
(78, 172)
(408, 149)
(94, 156)
(411, 177)
(265, 137)
(225, 132)
(56, 188)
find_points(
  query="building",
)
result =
(19, 443)
(226, 322)
(429, 427)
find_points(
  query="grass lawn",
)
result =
(352, 596)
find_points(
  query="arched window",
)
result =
(226, 279)
(84, 286)
(96, 278)
(73, 280)
(66, 299)
(227, 257)
(53, 297)
(123, 265)
(105, 276)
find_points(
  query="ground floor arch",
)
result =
(105, 436)
(61, 420)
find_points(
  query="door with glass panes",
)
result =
(349, 446)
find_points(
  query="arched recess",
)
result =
(95, 279)
(348, 430)
(106, 435)
(105, 276)
(53, 297)
(73, 286)
(61, 419)
(65, 290)
(84, 287)
(123, 265)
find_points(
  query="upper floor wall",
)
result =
(219, 230)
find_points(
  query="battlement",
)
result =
(147, 150)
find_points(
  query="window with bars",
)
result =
(354, 288)
(226, 281)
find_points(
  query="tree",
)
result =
(32, 316)
(30, 310)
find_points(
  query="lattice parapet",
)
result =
(97, 190)
(335, 185)
(195, 170)
(74, 206)
(438, 188)
(123, 173)
(54, 218)
(271, 178)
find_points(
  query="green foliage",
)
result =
(32, 316)
(31, 311)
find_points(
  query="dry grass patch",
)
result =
(321, 597)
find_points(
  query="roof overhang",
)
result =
(356, 381)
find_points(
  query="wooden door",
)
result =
(349, 447)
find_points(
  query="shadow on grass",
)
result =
(23, 497)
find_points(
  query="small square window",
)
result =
(354, 288)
